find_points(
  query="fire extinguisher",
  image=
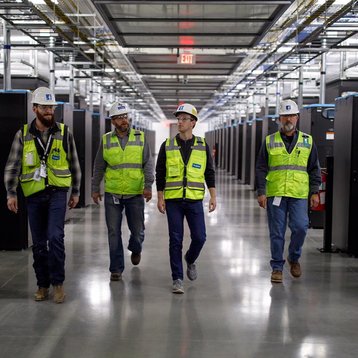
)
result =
(322, 193)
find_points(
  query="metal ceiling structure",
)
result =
(234, 49)
(156, 33)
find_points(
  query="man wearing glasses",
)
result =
(43, 157)
(125, 161)
(184, 165)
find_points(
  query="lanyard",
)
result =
(46, 150)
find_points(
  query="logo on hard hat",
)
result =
(288, 107)
(48, 97)
(121, 107)
(180, 107)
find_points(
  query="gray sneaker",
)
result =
(178, 286)
(191, 271)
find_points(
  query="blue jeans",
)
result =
(296, 211)
(194, 213)
(46, 213)
(134, 210)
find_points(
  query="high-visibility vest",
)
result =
(58, 170)
(287, 173)
(124, 172)
(185, 181)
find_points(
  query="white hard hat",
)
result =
(288, 107)
(187, 108)
(44, 96)
(118, 108)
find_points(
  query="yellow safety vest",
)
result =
(124, 172)
(287, 175)
(185, 181)
(58, 171)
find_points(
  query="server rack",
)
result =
(96, 135)
(240, 148)
(318, 120)
(345, 177)
(233, 151)
(247, 154)
(16, 112)
(82, 132)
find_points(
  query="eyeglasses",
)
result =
(120, 116)
(45, 107)
(184, 119)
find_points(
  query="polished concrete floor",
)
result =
(232, 310)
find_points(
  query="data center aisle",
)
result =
(232, 310)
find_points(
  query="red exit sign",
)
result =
(186, 59)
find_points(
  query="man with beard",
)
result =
(124, 159)
(287, 174)
(43, 157)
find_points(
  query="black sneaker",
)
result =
(116, 276)
(135, 258)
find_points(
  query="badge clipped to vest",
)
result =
(305, 141)
(197, 166)
(43, 170)
(37, 176)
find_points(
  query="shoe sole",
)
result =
(60, 301)
(276, 281)
(41, 299)
(178, 291)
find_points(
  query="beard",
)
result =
(48, 120)
(288, 127)
(123, 128)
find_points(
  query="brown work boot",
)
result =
(59, 294)
(135, 258)
(295, 268)
(276, 276)
(116, 276)
(41, 294)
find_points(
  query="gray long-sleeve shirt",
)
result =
(100, 166)
(313, 167)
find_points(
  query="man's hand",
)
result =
(161, 202)
(147, 193)
(73, 201)
(96, 197)
(262, 200)
(314, 201)
(12, 204)
(212, 204)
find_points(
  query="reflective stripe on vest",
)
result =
(124, 172)
(287, 175)
(175, 187)
(58, 172)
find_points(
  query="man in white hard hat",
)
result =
(287, 175)
(183, 167)
(125, 161)
(44, 159)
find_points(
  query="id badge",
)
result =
(43, 172)
(277, 200)
(30, 158)
(37, 176)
